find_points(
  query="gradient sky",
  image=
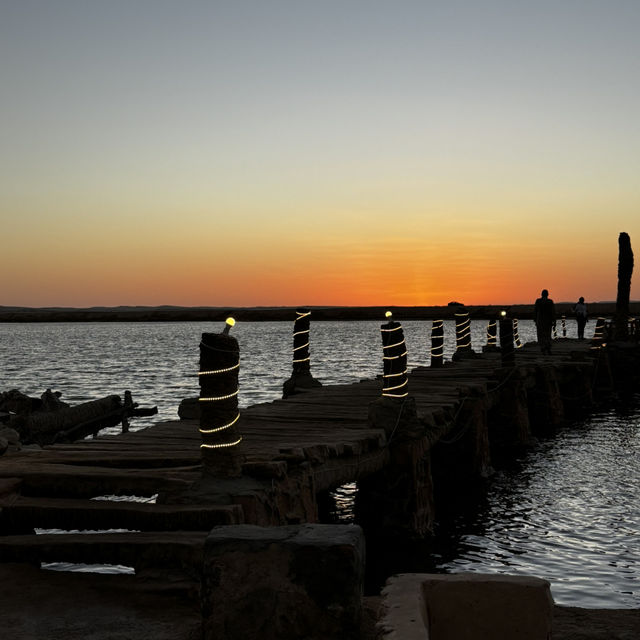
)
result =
(247, 153)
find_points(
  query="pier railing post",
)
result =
(394, 348)
(563, 322)
(506, 342)
(516, 334)
(398, 498)
(463, 334)
(492, 334)
(437, 343)
(625, 270)
(301, 377)
(599, 334)
(218, 378)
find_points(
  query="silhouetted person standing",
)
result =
(580, 309)
(545, 318)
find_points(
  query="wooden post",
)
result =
(394, 360)
(492, 336)
(506, 342)
(463, 334)
(437, 343)
(218, 377)
(563, 320)
(301, 377)
(492, 333)
(516, 334)
(598, 335)
(301, 338)
(625, 269)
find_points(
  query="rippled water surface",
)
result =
(158, 362)
(569, 511)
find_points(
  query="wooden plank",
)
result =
(56, 513)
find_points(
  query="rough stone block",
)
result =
(292, 582)
(466, 606)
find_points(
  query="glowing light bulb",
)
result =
(388, 314)
(230, 322)
(503, 313)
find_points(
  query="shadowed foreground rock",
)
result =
(466, 606)
(283, 583)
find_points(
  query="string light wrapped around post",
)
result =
(437, 343)
(563, 323)
(492, 333)
(598, 335)
(301, 377)
(463, 334)
(394, 378)
(516, 334)
(219, 414)
(554, 335)
(492, 336)
(507, 351)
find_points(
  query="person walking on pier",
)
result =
(545, 318)
(580, 309)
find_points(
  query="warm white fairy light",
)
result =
(224, 445)
(398, 386)
(394, 357)
(398, 328)
(217, 398)
(216, 371)
(395, 375)
(302, 314)
(223, 427)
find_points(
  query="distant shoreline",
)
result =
(262, 314)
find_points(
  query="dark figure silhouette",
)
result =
(545, 319)
(580, 309)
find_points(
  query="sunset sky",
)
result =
(245, 153)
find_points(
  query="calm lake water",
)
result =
(567, 511)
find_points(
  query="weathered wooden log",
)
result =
(625, 269)
(69, 423)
